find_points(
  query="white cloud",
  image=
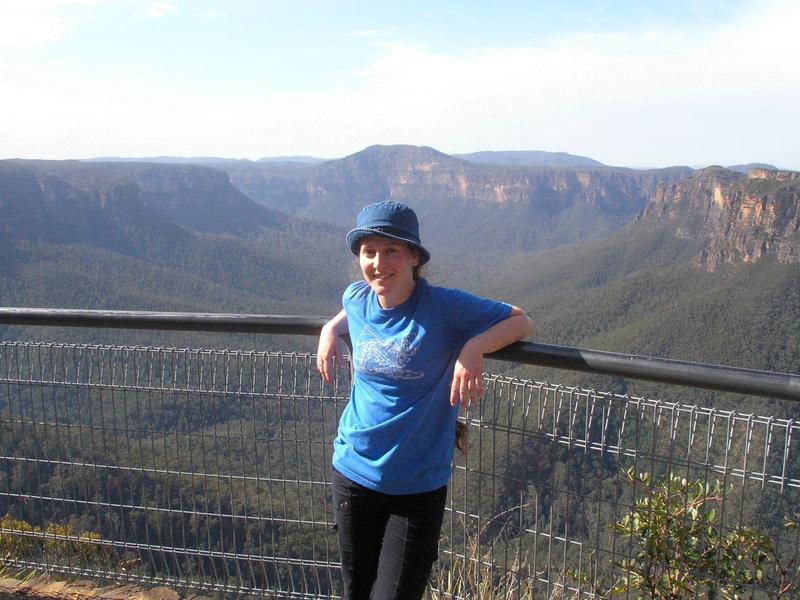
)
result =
(26, 25)
(759, 54)
(30, 24)
(642, 98)
(374, 33)
(209, 14)
(727, 95)
(157, 10)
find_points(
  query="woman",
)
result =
(417, 354)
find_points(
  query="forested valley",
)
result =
(692, 265)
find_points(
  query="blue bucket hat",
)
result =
(389, 219)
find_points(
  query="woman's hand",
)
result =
(468, 374)
(330, 346)
(467, 383)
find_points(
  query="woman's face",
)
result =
(388, 267)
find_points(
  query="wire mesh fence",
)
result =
(210, 469)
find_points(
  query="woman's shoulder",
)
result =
(355, 291)
(446, 293)
(459, 301)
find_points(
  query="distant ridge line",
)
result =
(517, 158)
(530, 158)
(202, 160)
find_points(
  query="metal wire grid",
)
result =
(545, 479)
(198, 467)
(209, 469)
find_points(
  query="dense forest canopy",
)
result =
(266, 237)
(693, 265)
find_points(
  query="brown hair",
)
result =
(419, 270)
(461, 437)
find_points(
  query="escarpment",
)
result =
(742, 218)
(424, 174)
(464, 205)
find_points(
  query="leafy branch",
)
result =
(682, 549)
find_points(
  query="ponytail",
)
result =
(461, 437)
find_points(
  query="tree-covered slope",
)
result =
(462, 205)
(648, 290)
(106, 242)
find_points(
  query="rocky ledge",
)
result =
(742, 218)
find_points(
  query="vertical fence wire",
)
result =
(209, 469)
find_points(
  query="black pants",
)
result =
(387, 543)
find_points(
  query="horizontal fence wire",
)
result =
(692, 374)
(210, 470)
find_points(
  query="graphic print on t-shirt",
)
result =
(386, 357)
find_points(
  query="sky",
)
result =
(634, 83)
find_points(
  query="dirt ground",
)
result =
(44, 586)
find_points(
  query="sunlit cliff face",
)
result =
(743, 218)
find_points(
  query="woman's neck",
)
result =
(393, 300)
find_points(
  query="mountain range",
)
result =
(462, 205)
(689, 264)
(171, 237)
(530, 158)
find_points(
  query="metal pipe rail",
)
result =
(708, 376)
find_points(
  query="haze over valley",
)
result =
(690, 264)
(626, 172)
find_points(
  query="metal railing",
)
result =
(209, 469)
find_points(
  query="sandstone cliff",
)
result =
(422, 174)
(742, 218)
(464, 205)
(192, 196)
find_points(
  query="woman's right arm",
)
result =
(330, 345)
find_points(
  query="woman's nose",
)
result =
(377, 261)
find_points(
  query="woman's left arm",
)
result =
(468, 375)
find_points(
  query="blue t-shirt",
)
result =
(397, 432)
